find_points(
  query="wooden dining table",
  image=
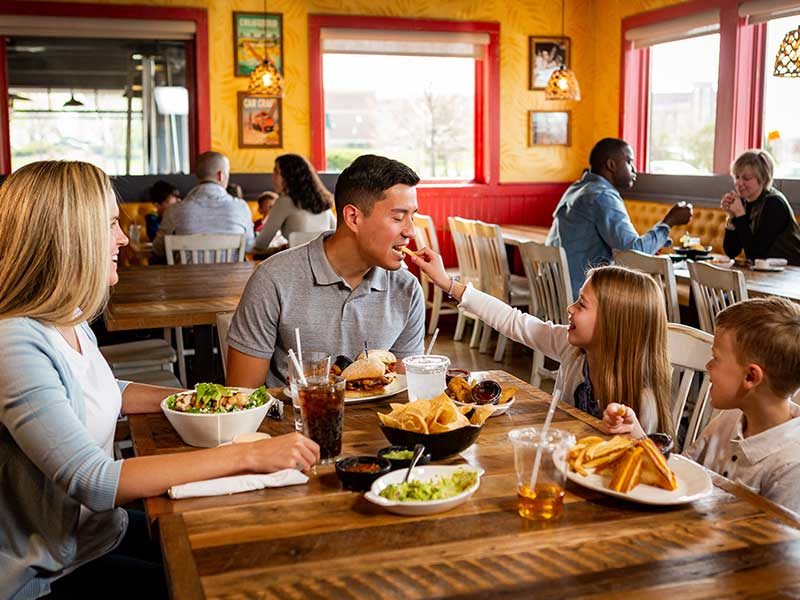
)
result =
(320, 541)
(178, 296)
(516, 235)
(785, 283)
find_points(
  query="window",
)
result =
(417, 109)
(781, 127)
(683, 104)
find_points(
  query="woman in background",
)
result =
(304, 205)
(760, 219)
(163, 194)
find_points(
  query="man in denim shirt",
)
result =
(591, 221)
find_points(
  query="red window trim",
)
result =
(740, 88)
(487, 84)
(196, 67)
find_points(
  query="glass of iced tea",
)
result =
(322, 404)
(540, 484)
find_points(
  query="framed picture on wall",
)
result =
(549, 128)
(255, 34)
(545, 55)
(260, 121)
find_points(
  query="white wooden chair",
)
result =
(497, 280)
(298, 238)
(551, 293)
(425, 237)
(714, 289)
(223, 324)
(659, 267)
(469, 268)
(140, 356)
(689, 352)
(201, 248)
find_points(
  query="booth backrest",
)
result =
(134, 212)
(707, 223)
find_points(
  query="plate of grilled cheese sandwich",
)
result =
(636, 470)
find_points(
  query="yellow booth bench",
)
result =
(707, 223)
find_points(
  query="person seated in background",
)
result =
(760, 219)
(342, 289)
(754, 372)
(163, 194)
(63, 529)
(208, 207)
(266, 200)
(235, 190)
(591, 220)
(304, 204)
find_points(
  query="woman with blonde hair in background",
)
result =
(613, 350)
(62, 530)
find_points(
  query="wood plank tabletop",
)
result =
(320, 541)
(175, 295)
(785, 284)
(515, 235)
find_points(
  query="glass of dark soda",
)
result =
(322, 405)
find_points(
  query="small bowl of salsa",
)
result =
(400, 456)
(358, 472)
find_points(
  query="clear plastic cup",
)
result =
(322, 403)
(314, 364)
(426, 375)
(540, 496)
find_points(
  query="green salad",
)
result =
(436, 489)
(216, 398)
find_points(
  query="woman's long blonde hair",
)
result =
(632, 333)
(54, 242)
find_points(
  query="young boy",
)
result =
(754, 372)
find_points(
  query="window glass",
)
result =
(781, 125)
(416, 109)
(683, 105)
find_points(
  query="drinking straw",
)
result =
(328, 367)
(366, 352)
(433, 341)
(299, 349)
(297, 367)
(543, 436)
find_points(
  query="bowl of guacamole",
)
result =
(432, 489)
(400, 456)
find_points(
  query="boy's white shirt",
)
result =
(768, 463)
(551, 340)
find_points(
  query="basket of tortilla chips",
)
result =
(439, 424)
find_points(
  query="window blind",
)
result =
(695, 25)
(403, 42)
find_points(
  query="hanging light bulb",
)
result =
(265, 80)
(787, 62)
(562, 85)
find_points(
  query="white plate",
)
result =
(353, 397)
(774, 269)
(499, 409)
(425, 473)
(693, 483)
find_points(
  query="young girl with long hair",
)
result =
(613, 350)
(303, 205)
(62, 529)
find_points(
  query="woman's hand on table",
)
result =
(290, 451)
(621, 419)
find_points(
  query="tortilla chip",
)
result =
(481, 414)
(507, 394)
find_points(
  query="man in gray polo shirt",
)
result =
(343, 289)
(208, 207)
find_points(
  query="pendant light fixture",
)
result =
(562, 85)
(787, 62)
(265, 80)
(72, 102)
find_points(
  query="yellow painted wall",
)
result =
(593, 26)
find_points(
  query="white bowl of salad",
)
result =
(213, 414)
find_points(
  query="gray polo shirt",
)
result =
(299, 288)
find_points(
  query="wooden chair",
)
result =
(659, 267)
(223, 324)
(140, 356)
(714, 289)
(298, 238)
(689, 352)
(469, 269)
(425, 237)
(551, 293)
(496, 278)
(204, 248)
(201, 248)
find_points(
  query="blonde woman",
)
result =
(613, 350)
(61, 488)
(760, 219)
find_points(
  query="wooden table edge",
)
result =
(183, 582)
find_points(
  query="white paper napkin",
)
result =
(770, 263)
(236, 484)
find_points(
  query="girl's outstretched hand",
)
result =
(430, 263)
(620, 419)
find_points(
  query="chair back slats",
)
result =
(660, 267)
(689, 352)
(493, 261)
(548, 279)
(204, 248)
(466, 250)
(425, 237)
(714, 289)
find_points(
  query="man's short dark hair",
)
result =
(161, 190)
(364, 182)
(603, 150)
